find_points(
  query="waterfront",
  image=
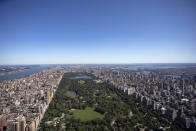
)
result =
(136, 67)
(23, 73)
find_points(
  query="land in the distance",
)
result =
(13, 69)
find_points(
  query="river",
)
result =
(23, 73)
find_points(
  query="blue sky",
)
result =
(97, 31)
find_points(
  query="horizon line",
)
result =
(103, 63)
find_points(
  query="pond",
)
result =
(71, 94)
(81, 77)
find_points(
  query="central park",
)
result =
(81, 103)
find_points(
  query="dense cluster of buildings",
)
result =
(172, 95)
(24, 101)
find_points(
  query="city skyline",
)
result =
(97, 32)
(154, 98)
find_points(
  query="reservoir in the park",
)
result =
(82, 77)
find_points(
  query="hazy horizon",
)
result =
(97, 64)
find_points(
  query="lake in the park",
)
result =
(71, 94)
(82, 77)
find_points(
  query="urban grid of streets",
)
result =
(171, 91)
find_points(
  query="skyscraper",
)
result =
(48, 97)
(3, 123)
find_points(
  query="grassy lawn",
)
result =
(86, 115)
(81, 82)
